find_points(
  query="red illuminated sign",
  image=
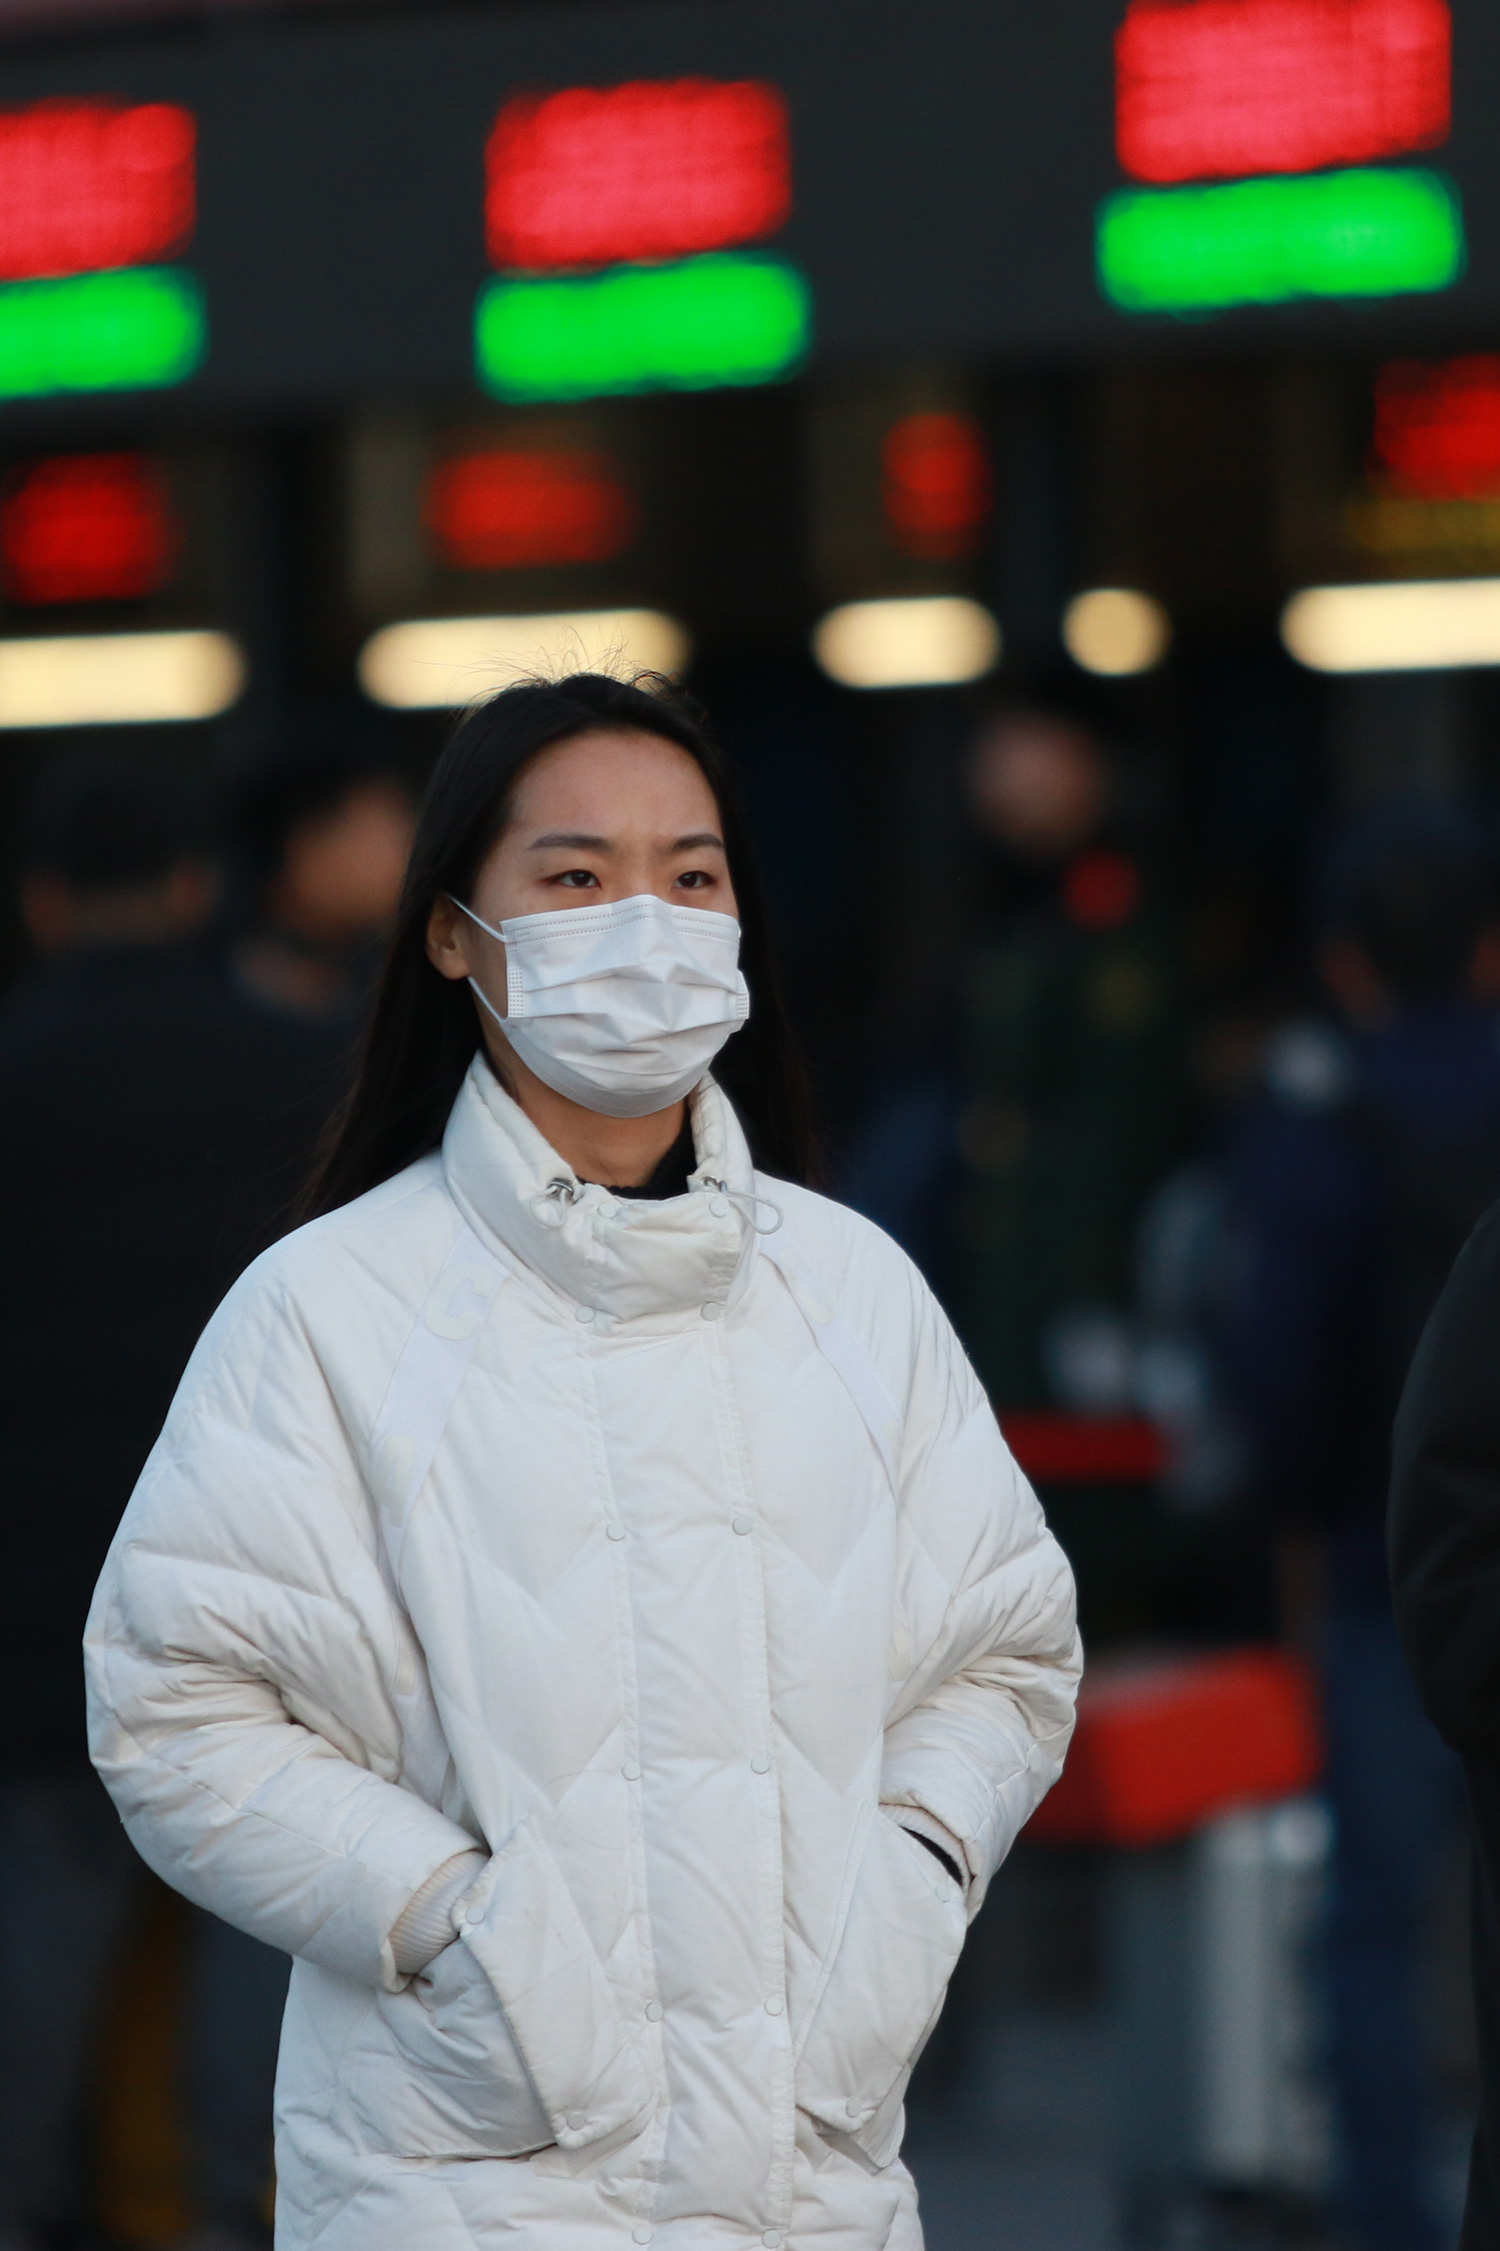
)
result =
(496, 510)
(1437, 427)
(936, 481)
(590, 177)
(92, 184)
(87, 527)
(1214, 88)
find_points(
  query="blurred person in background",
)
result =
(1069, 1050)
(156, 1119)
(320, 829)
(1353, 1182)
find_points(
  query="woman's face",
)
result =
(611, 814)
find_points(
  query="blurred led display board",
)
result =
(635, 179)
(91, 193)
(1437, 428)
(593, 175)
(508, 507)
(1360, 233)
(695, 325)
(92, 527)
(557, 200)
(1220, 87)
(1206, 89)
(936, 484)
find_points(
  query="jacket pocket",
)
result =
(436, 2071)
(890, 1971)
(511, 2040)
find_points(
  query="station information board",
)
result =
(572, 201)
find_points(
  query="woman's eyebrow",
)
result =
(569, 840)
(703, 840)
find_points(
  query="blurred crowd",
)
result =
(1228, 1225)
(166, 1069)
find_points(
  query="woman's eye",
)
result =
(578, 879)
(696, 879)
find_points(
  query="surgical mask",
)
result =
(621, 1008)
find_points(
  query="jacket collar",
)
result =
(619, 1260)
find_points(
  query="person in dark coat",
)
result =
(1445, 1574)
(158, 1116)
(1354, 1181)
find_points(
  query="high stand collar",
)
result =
(618, 1260)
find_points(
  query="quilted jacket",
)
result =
(654, 1551)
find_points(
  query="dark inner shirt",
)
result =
(671, 1175)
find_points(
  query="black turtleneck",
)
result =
(671, 1175)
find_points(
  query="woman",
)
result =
(580, 1605)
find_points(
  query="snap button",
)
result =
(608, 1207)
(577, 2118)
(713, 1312)
(631, 1771)
(760, 1766)
(742, 1525)
(852, 2107)
(775, 2005)
(771, 2239)
(614, 1531)
(653, 2012)
(719, 1206)
(584, 1313)
(640, 2235)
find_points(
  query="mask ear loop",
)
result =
(747, 1196)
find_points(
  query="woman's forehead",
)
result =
(614, 778)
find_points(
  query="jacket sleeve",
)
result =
(239, 1658)
(1445, 1504)
(978, 1736)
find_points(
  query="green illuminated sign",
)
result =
(692, 326)
(124, 331)
(1365, 233)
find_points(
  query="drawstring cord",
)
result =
(748, 1196)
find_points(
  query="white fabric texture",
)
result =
(648, 1616)
(429, 1920)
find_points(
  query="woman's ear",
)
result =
(446, 935)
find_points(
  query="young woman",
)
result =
(581, 1605)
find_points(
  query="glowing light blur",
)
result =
(1260, 242)
(1437, 427)
(136, 330)
(928, 641)
(429, 664)
(116, 679)
(1221, 87)
(1416, 625)
(590, 176)
(87, 527)
(503, 508)
(1115, 631)
(711, 321)
(86, 185)
(936, 484)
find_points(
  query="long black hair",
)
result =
(423, 1029)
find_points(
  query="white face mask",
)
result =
(621, 1008)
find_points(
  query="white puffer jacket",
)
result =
(655, 1555)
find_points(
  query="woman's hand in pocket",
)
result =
(456, 2084)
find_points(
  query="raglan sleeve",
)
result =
(240, 1656)
(979, 1733)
